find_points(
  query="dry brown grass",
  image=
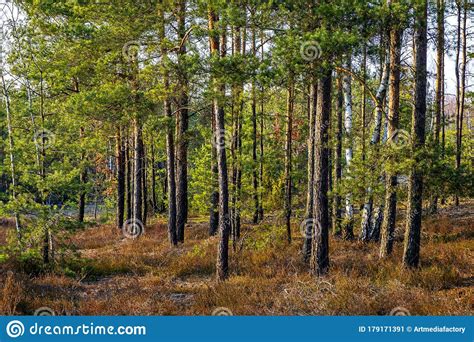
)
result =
(11, 295)
(116, 276)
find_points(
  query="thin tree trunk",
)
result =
(144, 186)
(120, 161)
(47, 238)
(308, 227)
(347, 88)
(33, 122)
(153, 178)
(440, 6)
(224, 221)
(137, 172)
(288, 154)
(377, 218)
(128, 178)
(254, 133)
(170, 165)
(170, 149)
(337, 208)
(237, 106)
(366, 229)
(320, 245)
(460, 82)
(11, 147)
(181, 130)
(261, 157)
(389, 214)
(411, 254)
(82, 181)
(364, 96)
(137, 208)
(214, 211)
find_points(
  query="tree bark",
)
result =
(181, 130)
(82, 181)
(214, 211)
(288, 154)
(153, 178)
(366, 228)
(11, 147)
(137, 125)
(411, 254)
(313, 91)
(144, 185)
(128, 178)
(137, 172)
(83, 174)
(364, 95)
(170, 148)
(236, 150)
(440, 7)
(347, 89)
(320, 244)
(337, 209)
(254, 133)
(460, 81)
(261, 156)
(120, 161)
(224, 220)
(170, 165)
(389, 214)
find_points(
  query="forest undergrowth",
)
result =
(111, 275)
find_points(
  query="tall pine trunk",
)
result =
(261, 152)
(440, 7)
(218, 49)
(171, 177)
(128, 178)
(153, 178)
(337, 209)
(320, 245)
(411, 254)
(288, 154)
(120, 161)
(170, 148)
(389, 214)
(214, 200)
(144, 165)
(308, 227)
(460, 80)
(254, 133)
(137, 172)
(181, 130)
(237, 109)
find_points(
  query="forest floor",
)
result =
(112, 275)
